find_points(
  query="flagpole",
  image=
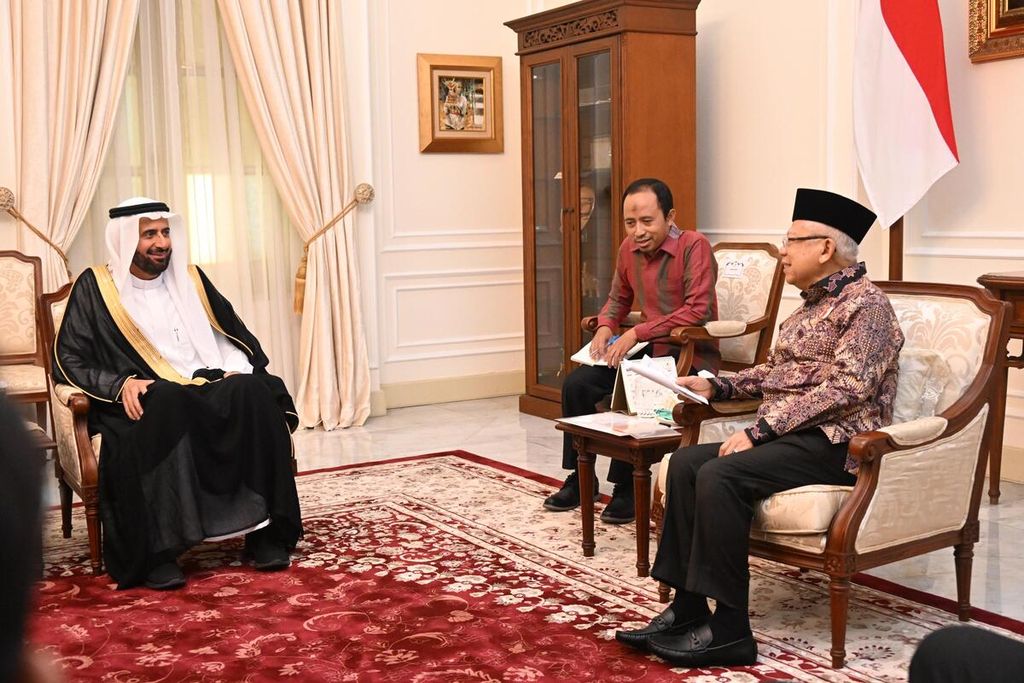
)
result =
(896, 250)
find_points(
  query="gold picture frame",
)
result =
(460, 104)
(995, 29)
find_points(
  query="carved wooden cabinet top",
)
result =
(587, 20)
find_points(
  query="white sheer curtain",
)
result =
(65, 65)
(290, 61)
(183, 136)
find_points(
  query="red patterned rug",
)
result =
(439, 568)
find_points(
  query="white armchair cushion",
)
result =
(725, 328)
(22, 379)
(923, 378)
(916, 432)
(803, 510)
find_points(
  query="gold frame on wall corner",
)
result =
(451, 120)
(995, 30)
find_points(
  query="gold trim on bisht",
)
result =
(193, 272)
(363, 195)
(138, 341)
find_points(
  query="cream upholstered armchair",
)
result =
(77, 463)
(22, 347)
(78, 454)
(748, 290)
(920, 480)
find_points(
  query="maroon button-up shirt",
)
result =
(834, 365)
(672, 287)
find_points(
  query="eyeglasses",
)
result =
(787, 240)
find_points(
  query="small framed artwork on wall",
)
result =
(995, 29)
(460, 103)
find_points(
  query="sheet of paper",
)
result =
(583, 355)
(644, 397)
(656, 374)
(621, 425)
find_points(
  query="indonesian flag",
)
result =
(902, 125)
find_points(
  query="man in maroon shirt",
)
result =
(670, 275)
(831, 375)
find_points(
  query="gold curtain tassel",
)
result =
(7, 204)
(363, 195)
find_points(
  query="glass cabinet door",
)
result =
(548, 302)
(594, 155)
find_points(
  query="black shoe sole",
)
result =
(618, 520)
(273, 565)
(741, 652)
(166, 585)
(551, 507)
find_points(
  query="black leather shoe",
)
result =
(267, 554)
(693, 649)
(568, 497)
(165, 577)
(621, 509)
(663, 623)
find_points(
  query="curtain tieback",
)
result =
(7, 204)
(363, 195)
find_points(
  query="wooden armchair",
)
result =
(22, 346)
(748, 289)
(78, 454)
(920, 480)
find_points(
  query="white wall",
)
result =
(442, 243)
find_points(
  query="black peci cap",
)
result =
(834, 210)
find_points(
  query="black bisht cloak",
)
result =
(221, 445)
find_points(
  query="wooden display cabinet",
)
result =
(608, 96)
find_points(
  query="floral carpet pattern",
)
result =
(431, 569)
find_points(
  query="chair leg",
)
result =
(658, 519)
(92, 521)
(65, 505)
(839, 593)
(963, 556)
(41, 413)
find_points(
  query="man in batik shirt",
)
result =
(669, 274)
(831, 375)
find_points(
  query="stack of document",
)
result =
(583, 355)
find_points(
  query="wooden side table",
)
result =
(641, 453)
(1005, 287)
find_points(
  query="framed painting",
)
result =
(460, 103)
(995, 29)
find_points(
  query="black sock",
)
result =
(688, 606)
(729, 624)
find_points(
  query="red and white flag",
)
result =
(902, 124)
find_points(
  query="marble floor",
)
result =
(495, 428)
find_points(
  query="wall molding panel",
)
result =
(490, 293)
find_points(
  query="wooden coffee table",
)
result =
(641, 453)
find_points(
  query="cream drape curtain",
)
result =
(68, 63)
(288, 54)
(183, 136)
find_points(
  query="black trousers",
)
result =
(710, 506)
(966, 654)
(582, 389)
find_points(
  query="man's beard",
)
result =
(148, 266)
